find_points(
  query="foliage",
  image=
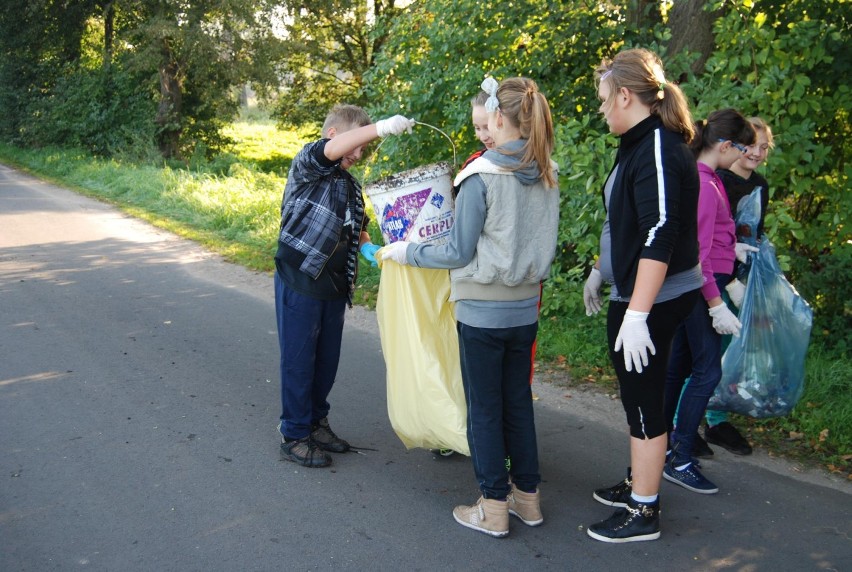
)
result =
(790, 68)
(419, 73)
(326, 48)
(163, 70)
(99, 110)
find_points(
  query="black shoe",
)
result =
(616, 495)
(726, 435)
(325, 438)
(304, 452)
(633, 523)
(700, 448)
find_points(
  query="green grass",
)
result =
(231, 206)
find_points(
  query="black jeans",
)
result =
(495, 366)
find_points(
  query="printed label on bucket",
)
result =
(416, 205)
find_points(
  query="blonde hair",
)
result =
(641, 72)
(525, 107)
(345, 116)
(761, 126)
(479, 99)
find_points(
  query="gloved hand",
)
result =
(736, 292)
(394, 125)
(592, 292)
(635, 338)
(394, 251)
(368, 251)
(724, 321)
(742, 249)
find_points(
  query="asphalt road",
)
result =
(138, 404)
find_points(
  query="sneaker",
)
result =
(442, 452)
(616, 495)
(726, 435)
(304, 452)
(489, 516)
(633, 523)
(700, 448)
(526, 506)
(689, 478)
(325, 438)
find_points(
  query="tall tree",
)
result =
(327, 47)
(202, 53)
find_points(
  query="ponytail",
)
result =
(526, 107)
(641, 72)
(724, 124)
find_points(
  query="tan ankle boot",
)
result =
(526, 506)
(487, 515)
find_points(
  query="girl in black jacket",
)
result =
(649, 253)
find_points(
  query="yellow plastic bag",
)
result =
(426, 403)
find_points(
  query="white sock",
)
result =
(644, 500)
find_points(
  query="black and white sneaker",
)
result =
(634, 523)
(616, 495)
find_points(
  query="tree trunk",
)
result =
(692, 29)
(642, 14)
(169, 110)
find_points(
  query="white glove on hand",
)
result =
(592, 292)
(636, 340)
(394, 125)
(736, 292)
(724, 321)
(742, 249)
(394, 251)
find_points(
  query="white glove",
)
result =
(394, 125)
(592, 292)
(395, 251)
(742, 249)
(724, 321)
(636, 340)
(736, 292)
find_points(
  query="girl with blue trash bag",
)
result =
(696, 353)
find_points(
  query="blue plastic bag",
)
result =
(763, 370)
(748, 215)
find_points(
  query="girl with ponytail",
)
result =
(649, 254)
(720, 141)
(500, 249)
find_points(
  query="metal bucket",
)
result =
(415, 205)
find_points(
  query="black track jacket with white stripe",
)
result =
(654, 203)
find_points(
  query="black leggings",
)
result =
(642, 394)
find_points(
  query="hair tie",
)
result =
(489, 86)
(660, 91)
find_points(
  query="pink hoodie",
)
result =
(716, 230)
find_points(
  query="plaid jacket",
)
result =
(313, 210)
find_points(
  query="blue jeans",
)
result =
(495, 366)
(696, 356)
(310, 332)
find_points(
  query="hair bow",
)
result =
(489, 86)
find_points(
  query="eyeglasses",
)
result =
(741, 148)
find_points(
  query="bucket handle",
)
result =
(376, 152)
